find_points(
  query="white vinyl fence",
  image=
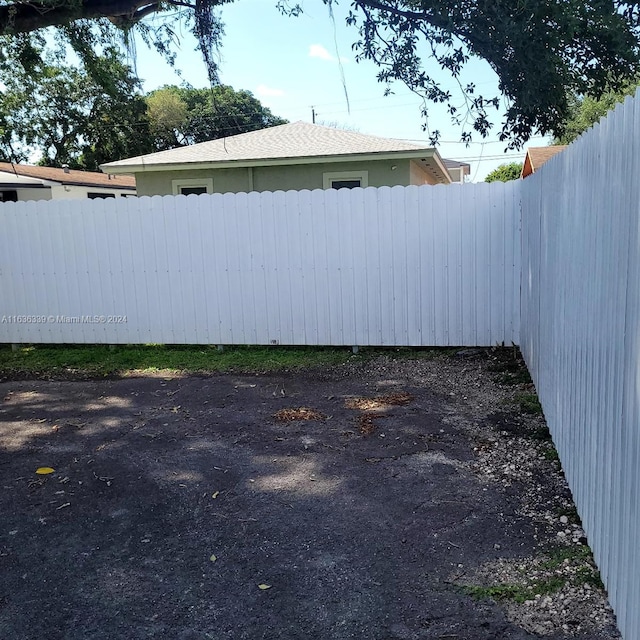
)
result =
(389, 266)
(581, 336)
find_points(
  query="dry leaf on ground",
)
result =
(366, 425)
(44, 471)
(300, 413)
(399, 398)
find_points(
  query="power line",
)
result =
(480, 158)
(238, 125)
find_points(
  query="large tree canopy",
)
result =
(181, 116)
(60, 113)
(542, 52)
(585, 111)
(505, 172)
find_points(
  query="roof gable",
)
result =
(537, 156)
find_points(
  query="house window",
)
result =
(345, 180)
(9, 196)
(194, 186)
(196, 191)
(97, 195)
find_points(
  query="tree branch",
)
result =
(19, 17)
(424, 16)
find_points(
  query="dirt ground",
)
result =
(387, 499)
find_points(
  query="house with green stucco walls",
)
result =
(291, 156)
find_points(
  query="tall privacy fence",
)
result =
(401, 266)
(580, 335)
(390, 266)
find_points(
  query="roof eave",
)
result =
(440, 164)
(28, 182)
(427, 152)
(23, 185)
(93, 185)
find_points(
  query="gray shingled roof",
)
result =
(295, 140)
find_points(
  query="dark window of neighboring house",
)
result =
(8, 196)
(345, 184)
(187, 191)
(95, 196)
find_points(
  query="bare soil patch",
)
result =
(184, 508)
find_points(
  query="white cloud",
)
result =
(263, 91)
(318, 51)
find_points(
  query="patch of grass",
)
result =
(515, 592)
(551, 453)
(521, 376)
(590, 577)
(529, 403)
(556, 556)
(97, 361)
(91, 361)
(575, 554)
(571, 513)
(581, 570)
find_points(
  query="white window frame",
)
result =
(334, 176)
(177, 185)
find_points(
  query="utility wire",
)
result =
(238, 125)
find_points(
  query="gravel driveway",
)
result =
(395, 498)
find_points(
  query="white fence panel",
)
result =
(389, 266)
(581, 336)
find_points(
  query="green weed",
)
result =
(520, 376)
(578, 556)
(515, 592)
(556, 556)
(529, 403)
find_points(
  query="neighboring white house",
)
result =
(457, 170)
(19, 182)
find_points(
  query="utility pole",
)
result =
(313, 115)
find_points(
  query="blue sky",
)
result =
(291, 64)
